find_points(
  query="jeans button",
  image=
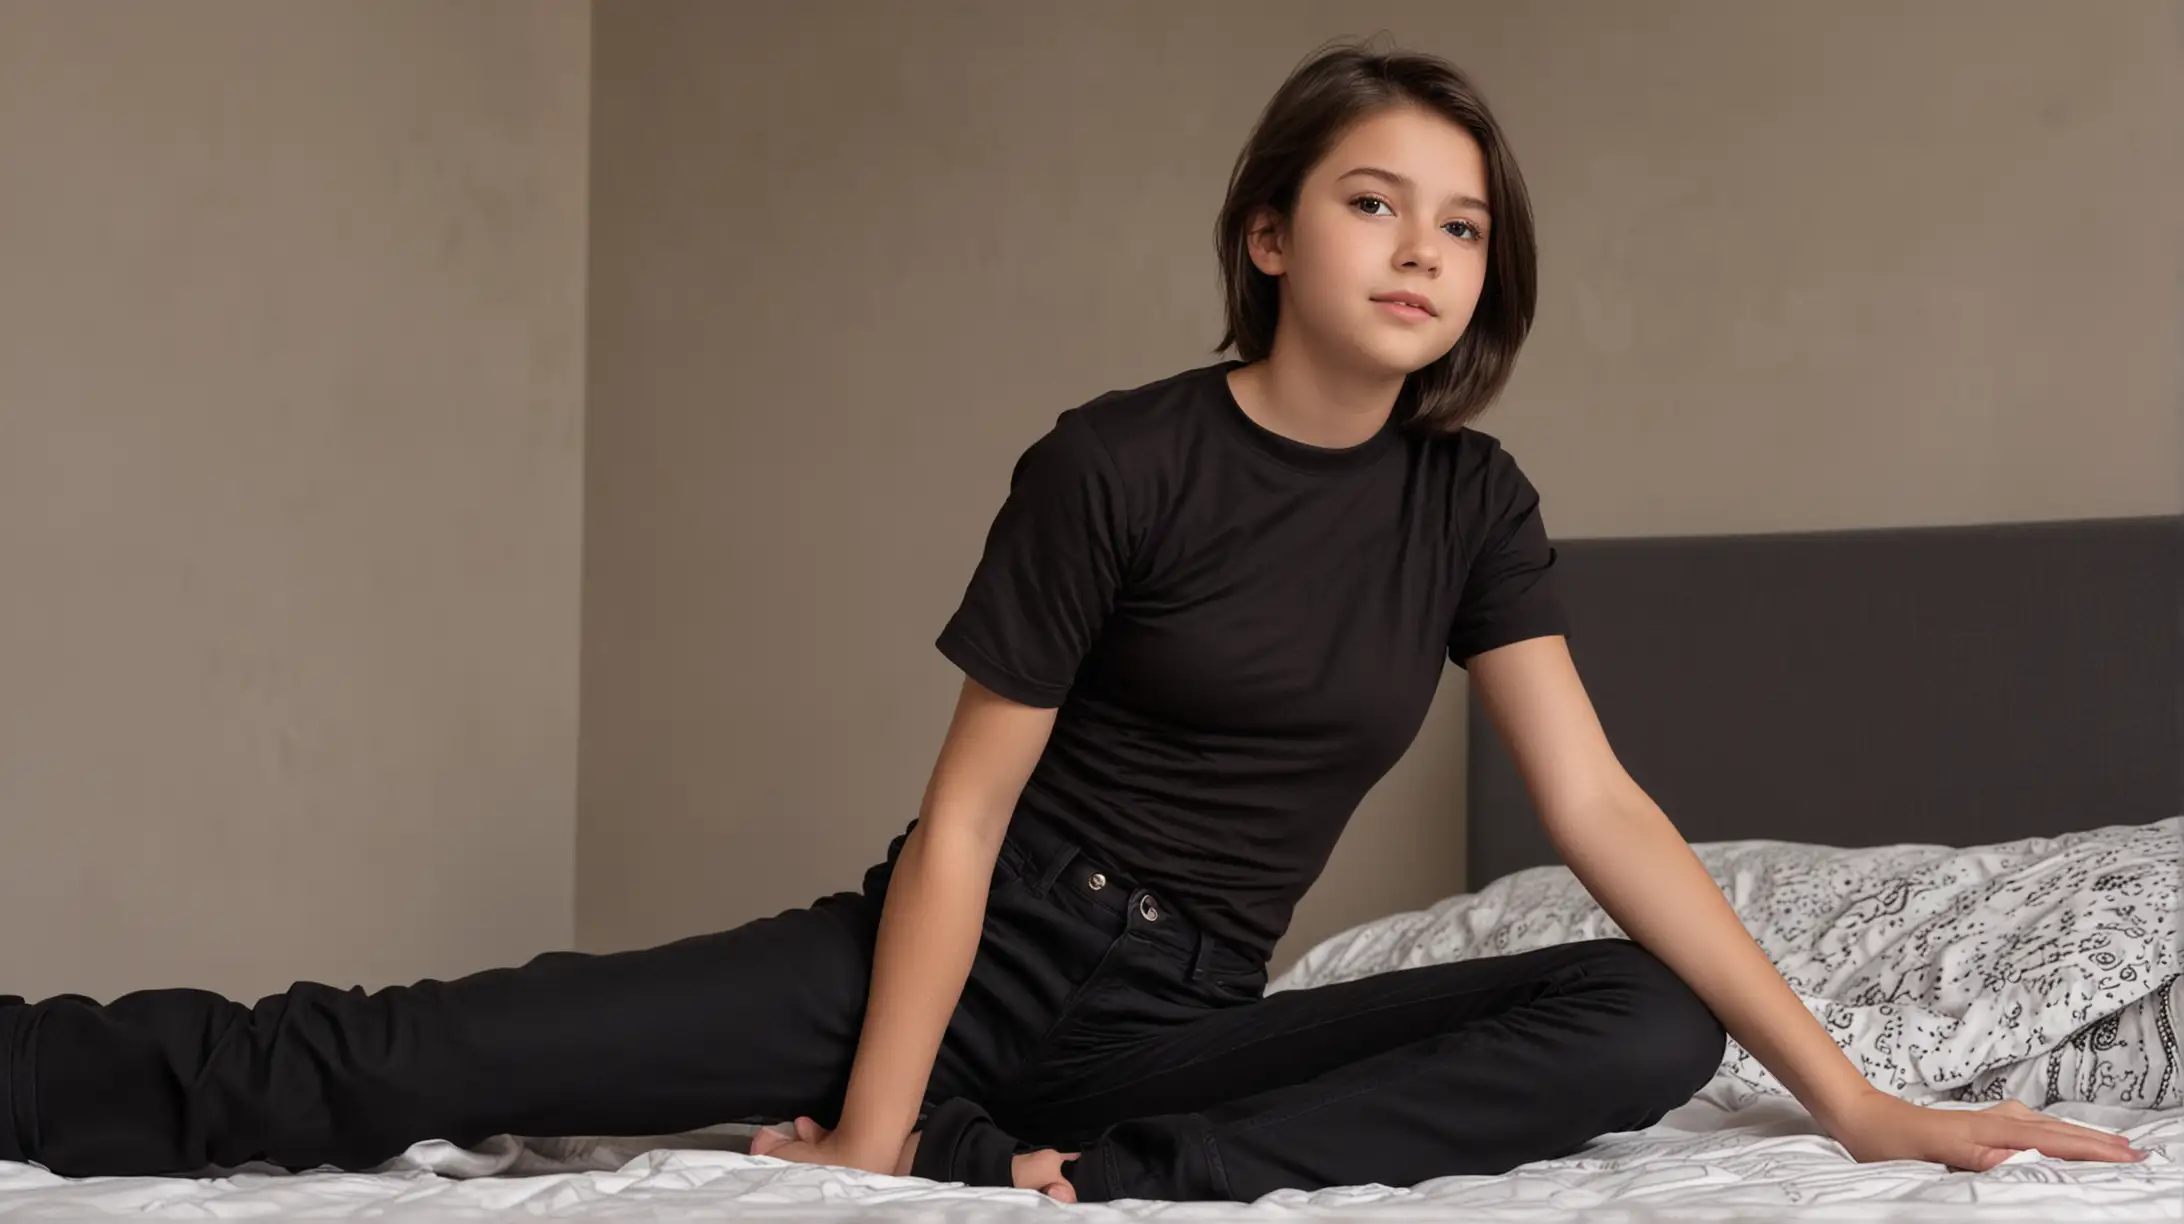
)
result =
(1097, 881)
(1146, 907)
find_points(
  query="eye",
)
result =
(1470, 232)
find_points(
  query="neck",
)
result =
(1301, 395)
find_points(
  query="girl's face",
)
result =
(1397, 207)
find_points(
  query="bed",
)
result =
(1865, 699)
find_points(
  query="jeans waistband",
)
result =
(1048, 858)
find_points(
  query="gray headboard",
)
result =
(1952, 685)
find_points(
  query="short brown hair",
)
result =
(1321, 100)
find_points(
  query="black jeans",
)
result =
(1095, 1018)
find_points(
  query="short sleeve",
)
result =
(1511, 586)
(1049, 574)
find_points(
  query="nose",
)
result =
(1419, 251)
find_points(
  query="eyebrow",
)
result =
(1460, 199)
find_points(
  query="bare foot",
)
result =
(1040, 1170)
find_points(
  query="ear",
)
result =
(1266, 237)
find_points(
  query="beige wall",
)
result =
(1806, 265)
(290, 401)
(1829, 265)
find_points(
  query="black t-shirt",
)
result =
(1243, 632)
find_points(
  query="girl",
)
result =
(1210, 614)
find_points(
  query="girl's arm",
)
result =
(932, 919)
(1623, 849)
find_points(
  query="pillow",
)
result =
(1938, 970)
(2129, 1059)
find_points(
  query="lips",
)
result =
(1406, 305)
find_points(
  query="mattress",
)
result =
(1729, 1154)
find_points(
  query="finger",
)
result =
(2086, 1134)
(770, 1142)
(809, 1130)
(2067, 1142)
(2120, 1146)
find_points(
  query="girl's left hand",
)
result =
(812, 1143)
(1883, 1127)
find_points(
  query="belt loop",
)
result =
(1050, 871)
(1200, 947)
